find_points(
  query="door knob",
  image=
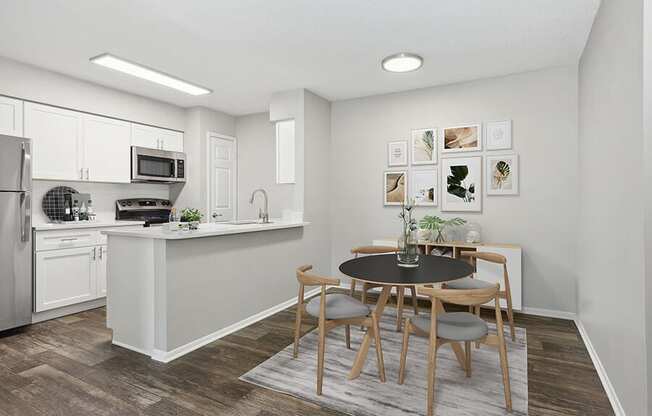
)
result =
(215, 215)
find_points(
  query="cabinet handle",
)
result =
(101, 251)
(94, 253)
(81, 173)
(69, 239)
(162, 144)
(158, 144)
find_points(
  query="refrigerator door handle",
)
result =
(24, 156)
(26, 214)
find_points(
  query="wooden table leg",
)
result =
(361, 356)
(457, 348)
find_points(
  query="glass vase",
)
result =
(408, 251)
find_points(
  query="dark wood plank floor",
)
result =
(68, 367)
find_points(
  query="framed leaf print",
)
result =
(498, 135)
(395, 187)
(466, 138)
(462, 184)
(502, 174)
(423, 185)
(397, 153)
(423, 144)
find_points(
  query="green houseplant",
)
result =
(436, 225)
(192, 216)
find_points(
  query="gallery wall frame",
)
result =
(498, 135)
(395, 187)
(502, 174)
(424, 187)
(423, 146)
(462, 138)
(397, 153)
(461, 181)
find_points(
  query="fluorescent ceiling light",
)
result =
(152, 75)
(402, 62)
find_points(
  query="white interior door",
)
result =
(222, 178)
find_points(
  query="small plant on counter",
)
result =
(436, 224)
(192, 216)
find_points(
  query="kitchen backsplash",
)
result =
(103, 195)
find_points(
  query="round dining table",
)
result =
(384, 270)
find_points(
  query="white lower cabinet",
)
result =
(69, 275)
(101, 270)
(65, 277)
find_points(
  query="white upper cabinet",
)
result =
(11, 116)
(106, 149)
(156, 138)
(56, 137)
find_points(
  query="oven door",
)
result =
(151, 165)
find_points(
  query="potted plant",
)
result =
(192, 216)
(436, 225)
(408, 254)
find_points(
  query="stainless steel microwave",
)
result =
(153, 165)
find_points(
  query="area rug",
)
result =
(455, 394)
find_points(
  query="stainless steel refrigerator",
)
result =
(15, 232)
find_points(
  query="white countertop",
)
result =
(205, 230)
(71, 225)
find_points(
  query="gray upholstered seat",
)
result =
(456, 326)
(468, 283)
(338, 306)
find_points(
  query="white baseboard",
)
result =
(167, 356)
(550, 313)
(602, 373)
(67, 310)
(129, 347)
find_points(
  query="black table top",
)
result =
(383, 269)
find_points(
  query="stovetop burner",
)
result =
(150, 210)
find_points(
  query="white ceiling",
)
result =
(244, 50)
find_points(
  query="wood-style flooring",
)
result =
(69, 367)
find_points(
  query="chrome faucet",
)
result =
(263, 216)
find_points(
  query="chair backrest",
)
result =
(310, 279)
(356, 251)
(482, 255)
(465, 297)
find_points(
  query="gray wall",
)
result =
(611, 262)
(199, 122)
(256, 167)
(543, 107)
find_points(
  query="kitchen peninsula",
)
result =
(172, 292)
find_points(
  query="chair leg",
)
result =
(352, 288)
(379, 348)
(432, 366)
(297, 331)
(404, 350)
(400, 295)
(347, 332)
(467, 351)
(510, 316)
(505, 370)
(320, 360)
(415, 300)
(363, 297)
(477, 313)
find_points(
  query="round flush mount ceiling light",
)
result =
(402, 62)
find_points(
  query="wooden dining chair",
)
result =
(473, 283)
(443, 328)
(400, 290)
(333, 310)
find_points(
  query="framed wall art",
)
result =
(424, 189)
(502, 174)
(395, 187)
(397, 154)
(423, 146)
(462, 184)
(466, 138)
(498, 135)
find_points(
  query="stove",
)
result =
(150, 210)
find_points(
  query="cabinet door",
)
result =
(11, 116)
(102, 252)
(145, 136)
(56, 138)
(171, 140)
(65, 277)
(107, 149)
